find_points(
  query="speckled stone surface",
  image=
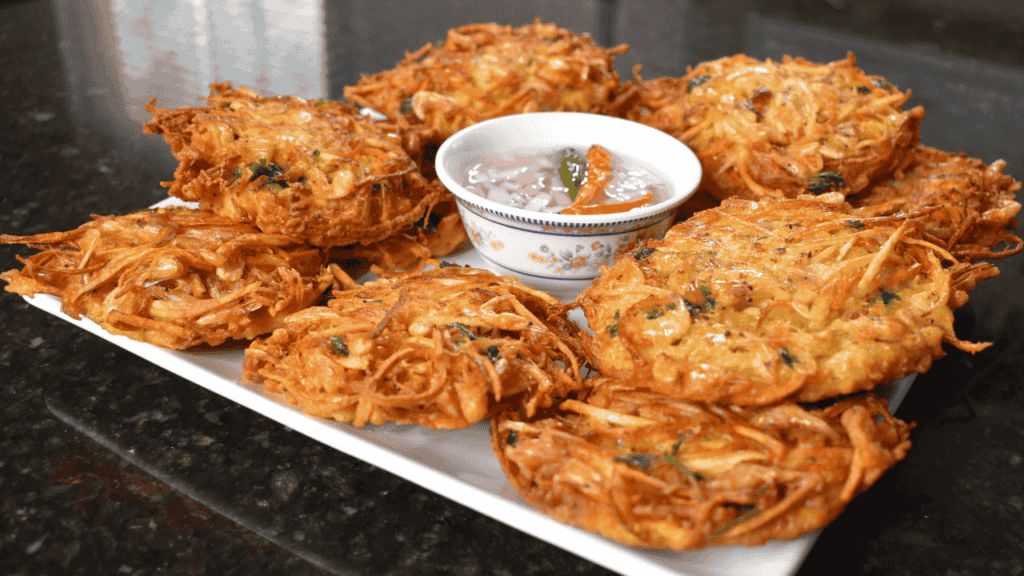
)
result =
(110, 465)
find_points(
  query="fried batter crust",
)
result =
(977, 202)
(444, 348)
(754, 302)
(441, 233)
(315, 169)
(173, 277)
(765, 129)
(651, 471)
(486, 70)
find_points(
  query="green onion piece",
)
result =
(883, 83)
(492, 352)
(406, 106)
(642, 253)
(888, 296)
(697, 81)
(671, 459)
(645, 460)
(641, 460)
(692, 308)
(709, 302)
(338, 345)
(825, 181)
(465, 331)
(737, 520)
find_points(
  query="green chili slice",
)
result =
(572, 168)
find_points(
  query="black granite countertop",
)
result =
(111, 465)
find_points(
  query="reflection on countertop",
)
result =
(111, 465)
(117, 56)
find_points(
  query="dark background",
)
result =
(111, 465)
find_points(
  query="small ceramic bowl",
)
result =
(559, 253)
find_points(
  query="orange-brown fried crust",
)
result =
(439, 234)
(651, 471)
(754, 302)
(765, 129)
(445, 349)
(317, 170)
(482, 71)
(173, 277)
(977, 203)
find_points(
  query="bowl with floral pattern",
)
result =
(551, 197)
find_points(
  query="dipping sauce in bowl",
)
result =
(551, 181)
(555, 245)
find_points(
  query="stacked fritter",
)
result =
(765, 129)
(316, 170)
(976, 203)
(482, 71)
(444, 348)
(754, 302)
(173, 277)
(653, 471)
(778, 129)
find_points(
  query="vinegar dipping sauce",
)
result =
(531, 181)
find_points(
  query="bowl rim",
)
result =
(569, 220)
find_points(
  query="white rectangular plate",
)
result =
(459, 464)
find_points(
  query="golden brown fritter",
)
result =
(765, 129)
(754, 302)
(439, 234)
(174, 277)
(977, 202)
(315, 169)
(444, 348)
(651, 471)
(482, 71)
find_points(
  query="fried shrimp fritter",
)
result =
(486, 70)
(765, 129)
(651, 471)
(754, 302)
(977, 202)
(174, 277)
(444, 348)
(317, 169)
